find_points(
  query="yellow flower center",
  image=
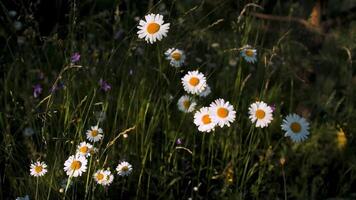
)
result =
(83, 149)
(125, 168)
(100, 176)
(38, 169)
(176, 56)
(249, 52)
(295, 127)
(153, 28)
(260, 114)
(94, 133)
(223, 112)
(194, 81)
(186, 104)
(206, 119)
(75, 165)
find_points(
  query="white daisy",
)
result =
(186, 104)
(260, 113)
(152, 28)
(84, 149)
(296, 127)
(23, 198)
(222, 113)
(103, 177)
(75, 165)
(94, 134)
(176, 57)
(194, 82)
(249, 54)
(124, 168)
(202, 119)
(205, 92)
(38, 169)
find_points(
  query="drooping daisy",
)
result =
(296, 127)
(176, 57)
(75, 165)
(38, 169)
(186, 104)
(260, 113)
(84, 149)
(152, 28)
(203, 120)
(249, 54)
(205, 92)
(124, 168)
(94, 134)
(222, 113)
(103, 177)
(194, 82)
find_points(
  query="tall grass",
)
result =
(142, 123)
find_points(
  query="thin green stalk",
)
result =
(36, 196)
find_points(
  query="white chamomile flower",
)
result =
(249, 54)
(260, 113)
(186, 104)
(296, 127)
(152, 28)
(94, 134)
(75, 165)
(124, 168)
(194, 82)
(202, 119)
(175, 56)
(84, 149)
(222, 113)
(23, 198)
(103, 177)
(38, 169)
(205, 92)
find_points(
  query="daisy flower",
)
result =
(152, 28)
(103, 177)
(75, 165)
(186, 104)
(249, 54)
(94, 134)
(194, 82)
(222, 113)
(124, 168)
(296, 127)
(38, 169)
(260, 113)
(202, 119)
(205, 92)
(23, 198)
(176, 57)
(84, 149)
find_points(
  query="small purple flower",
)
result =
(273, 107)
(37, 90)
(104, 85)
(179, 141)
(75, 57)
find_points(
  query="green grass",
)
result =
(236, 162)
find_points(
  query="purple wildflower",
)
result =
(273, 107)
(179, 141)
(37, 90)
(104, 85)
(75, 57)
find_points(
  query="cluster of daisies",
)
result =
(76, 164)
(220, 112)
